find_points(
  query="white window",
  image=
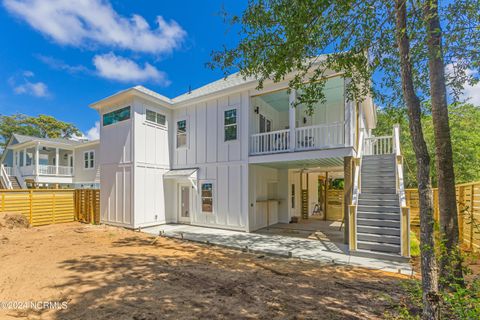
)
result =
(155, 117)
(207, 197)
(89, 159)
(230, 125)
(181, 133)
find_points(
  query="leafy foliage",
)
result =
(354, 37)
(465, 132)
(42, 126)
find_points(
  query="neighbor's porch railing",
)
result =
(47, 170)
(306, 138)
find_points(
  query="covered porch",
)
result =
(277, 126)
(36, 159)
(302, 198)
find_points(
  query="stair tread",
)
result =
(377, 243)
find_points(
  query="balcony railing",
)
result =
(306, 138)
(378, 145)
(270, 142)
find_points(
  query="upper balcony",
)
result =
(276, 126)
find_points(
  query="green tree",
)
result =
(465, 131)
(42, 126)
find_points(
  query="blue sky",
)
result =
(57, 57)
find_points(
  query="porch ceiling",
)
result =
(327, 163)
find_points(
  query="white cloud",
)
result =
(122, 69)
(95, 22)
(61, 65)
(471, 93)
(94, 132)
(25, 86)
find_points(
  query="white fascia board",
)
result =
(127, 94)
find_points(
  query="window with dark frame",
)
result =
(181, 133)
(155, 117)
(207, 197)
(89, 159)
(230, 124)
(116, 116)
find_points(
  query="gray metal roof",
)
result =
(22, 139)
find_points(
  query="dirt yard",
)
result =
(111, 273)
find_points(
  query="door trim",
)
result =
(181, 219)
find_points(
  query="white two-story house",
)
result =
(227, 155)
(32, 162)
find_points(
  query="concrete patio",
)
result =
(269, 241)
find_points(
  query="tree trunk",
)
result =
(450, 260)
(427, 243)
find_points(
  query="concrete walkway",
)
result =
(322, 251)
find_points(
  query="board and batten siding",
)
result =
(116, 169)
(224, 163)
(152, 161)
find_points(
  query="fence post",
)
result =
(472, 208)
(31, 205)
(461, 212)
(53, 204)
(3, 201)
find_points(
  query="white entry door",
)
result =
(184, 203)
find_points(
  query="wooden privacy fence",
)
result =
(87, 204)
(51, 206)
(468, 204)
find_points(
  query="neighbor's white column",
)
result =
(36, 159)
(57, 160)
(25, 157)
(291, 119)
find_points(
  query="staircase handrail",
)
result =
(404, 210)
(5, 178)
(399, 165)
(18, 174)
(357, 163)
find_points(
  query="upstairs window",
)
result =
(116, 116)
(89, 159)
(230, 124)
(181, 133)
(207, 197)
(156, 117)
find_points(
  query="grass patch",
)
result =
(414, 245)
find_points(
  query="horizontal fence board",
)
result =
(50, 206)
(468, 206)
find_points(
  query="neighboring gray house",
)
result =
(50, 163)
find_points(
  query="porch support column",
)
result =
(25, 157)
(36, 159)
(291, 119)
(57, 160)
(348, 174)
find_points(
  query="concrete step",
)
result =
(379, 216)
(379, 255)
(379, 190)
(379, 238)
(377, 222)
(379, 209)
(395, 231)
(380, 247)
(377, 196)
(378, 202)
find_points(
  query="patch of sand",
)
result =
(111, 273)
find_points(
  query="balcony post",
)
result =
(36, 159)
(291, 119)
(57, 160)
(25, 157)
